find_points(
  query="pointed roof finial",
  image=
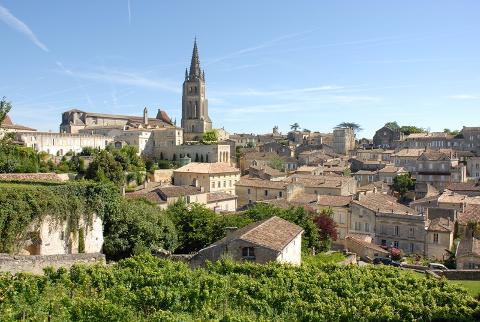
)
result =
(195, 63)
(186, 73)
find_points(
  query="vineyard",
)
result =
(144, 288)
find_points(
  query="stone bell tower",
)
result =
(195, 119)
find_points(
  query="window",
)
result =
(395, 243)
(248, 190)
(358, 226)
(412, 231)
(224, 184)
(367, 227)
(229, 183)
(435, 238)
(412, 247)
(248, 253)
(280, 194)
(396, 231)
(218, 184)
(266, 193)
(213, 184)
(384, 242)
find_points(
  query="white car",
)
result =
(437, 266)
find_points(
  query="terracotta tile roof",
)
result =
(8, 124)
(364, 172)
(430, 200)
(319, 181)
(50, 177)
(306, 168)
(160, 194)
(260, 155)
(381, 203)
(463, 186)
(429, 135)
(219, 196)
(471, 213)
(273, 233)
(409, 152)
(441, 225)
(468, 246)
(433, 155)
(268, 170)
(210, 168)
(391, 169)
(334, 201)
(366, 244)
(259, 183)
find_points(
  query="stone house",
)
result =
(343, 140)
(388, 173)
(325, 185)
(272, 239)
(266, 173)
(473, 168)
(407, 158)
(468, 253)
(386, 137)
(341, 213)
(439, 238)
(469, 189)
(363, 247)
(432, 140)
(438, 169)
(388, 223)
(251, 190)
(310, 170)
(62, 143)
(165, 196)
(7, 126)
(364, 177)
(212, 177)
(471, 138)
(280, 149)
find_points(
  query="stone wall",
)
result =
(460, 274)
(36, 263)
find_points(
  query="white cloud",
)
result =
(124, 78)
(464, 97)
(15, 23)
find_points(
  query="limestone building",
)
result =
(343, 140)
(195, 119)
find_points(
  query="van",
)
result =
(437, 266)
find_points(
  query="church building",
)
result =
(195, 119)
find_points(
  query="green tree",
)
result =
(392, 125)
(210, 136)
(277, 163)
(294, 126)
(448, 131)
(296, 215)
(197, 226)
(403, 183)
(410, 129)
(105, 168)
(5, 107)
(137, 226)
(350, 125)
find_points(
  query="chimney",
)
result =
(145, 116)
(230, 230)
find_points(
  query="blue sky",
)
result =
(266, 62)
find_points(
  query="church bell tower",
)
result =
(195, 119)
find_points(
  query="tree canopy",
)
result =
(403, 183)
(350, 125)
(210, 136)
(5, 107)
(294, 126)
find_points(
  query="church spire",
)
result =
(195, 64)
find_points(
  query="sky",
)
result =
(267, 63)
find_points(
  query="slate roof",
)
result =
(273, 233)
(209, 168)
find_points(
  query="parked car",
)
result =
(386, 261)
(437, 266)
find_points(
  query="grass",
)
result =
(473, 287)
(323, 258)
